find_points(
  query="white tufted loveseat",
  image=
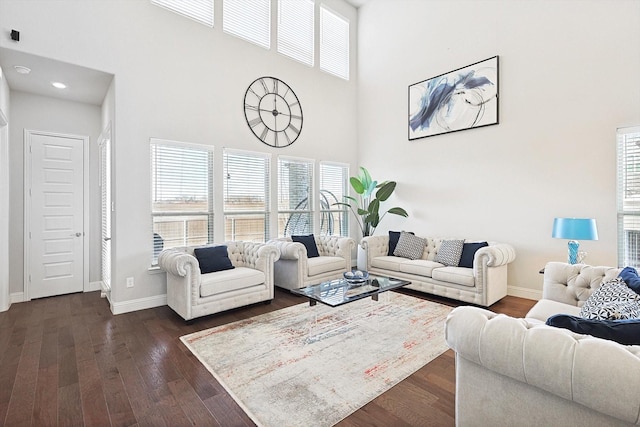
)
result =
(192, 294)
(296, 270)
(522, 372)
(483, 284)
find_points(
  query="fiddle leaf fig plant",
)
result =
(366, 207)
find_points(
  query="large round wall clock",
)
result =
(273, 112)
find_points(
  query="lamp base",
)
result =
(573, 251)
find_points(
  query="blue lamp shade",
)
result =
(574, 229)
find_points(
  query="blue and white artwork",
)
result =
(462, 99)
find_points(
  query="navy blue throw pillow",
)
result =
(630, 277)
(213, 258)
(626, 332)
(309, 242)
(468, 252)
(394, 236)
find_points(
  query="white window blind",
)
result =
(334, 178)
(295, 201)
(198, 10)
(181, 194)
(105, 204)
(249, 20)
(628, 141)
(334, 43)
(246, 195)
(295, 29)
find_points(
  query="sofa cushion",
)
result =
(309, 243)
(612, 300)
(469, 252)
(230, 280)
(409, 246)
(450, 252)
(421, 267)
(394, 236)
(213, 258)
(630, 277)
(388, 262)
(625, 332)
(458, 275)
(325, 264)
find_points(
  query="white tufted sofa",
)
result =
(296, 270)
(192, 294)
(521, 372)
(483, 284)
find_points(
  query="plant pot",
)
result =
(361, 258)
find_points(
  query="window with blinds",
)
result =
(246, 195)
(198, 10)
(295, 29)
(334, 220)
(249, 20)
(295, 201)
(181, 195)
(334, 43)
(628, 141)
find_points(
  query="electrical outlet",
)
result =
(129, 282)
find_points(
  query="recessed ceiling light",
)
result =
(21, 69)
(58, 85)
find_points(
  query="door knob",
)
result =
(78, 234)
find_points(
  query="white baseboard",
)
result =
(528, 293)
(16, 297)
(138, 304)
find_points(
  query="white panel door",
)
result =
(56, 241)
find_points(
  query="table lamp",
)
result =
(574, 229)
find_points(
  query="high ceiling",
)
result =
(83, 84)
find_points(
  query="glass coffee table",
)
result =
(339, 292)
(342, 291)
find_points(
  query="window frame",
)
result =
(329, 50)
(628, 205)
(345, 228)
(209, 213)
(266, 235)
(310, 210)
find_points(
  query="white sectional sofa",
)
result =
(483, 284)
(248, 279)
(522, 372)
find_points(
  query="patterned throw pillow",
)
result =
(450, 252)
(409, 246)
(612, 300)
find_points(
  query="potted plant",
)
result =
(366, 207)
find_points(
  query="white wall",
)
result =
(46, 114)
(568, 79)
(4, 193)
(179, 80)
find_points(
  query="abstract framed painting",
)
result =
(462, 99)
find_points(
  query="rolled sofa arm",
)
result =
(289, 250)
(496, 254)
(374, 246)
(593, 372)
(178, 263)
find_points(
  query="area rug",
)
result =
(313, 366)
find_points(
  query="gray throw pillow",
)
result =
(450, 252)
(613, 300)
(409, 246)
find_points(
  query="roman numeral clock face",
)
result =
(273, 112)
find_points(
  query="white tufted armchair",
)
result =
(296, 270)
(192, 294)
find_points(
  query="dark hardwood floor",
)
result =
(68, 361)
